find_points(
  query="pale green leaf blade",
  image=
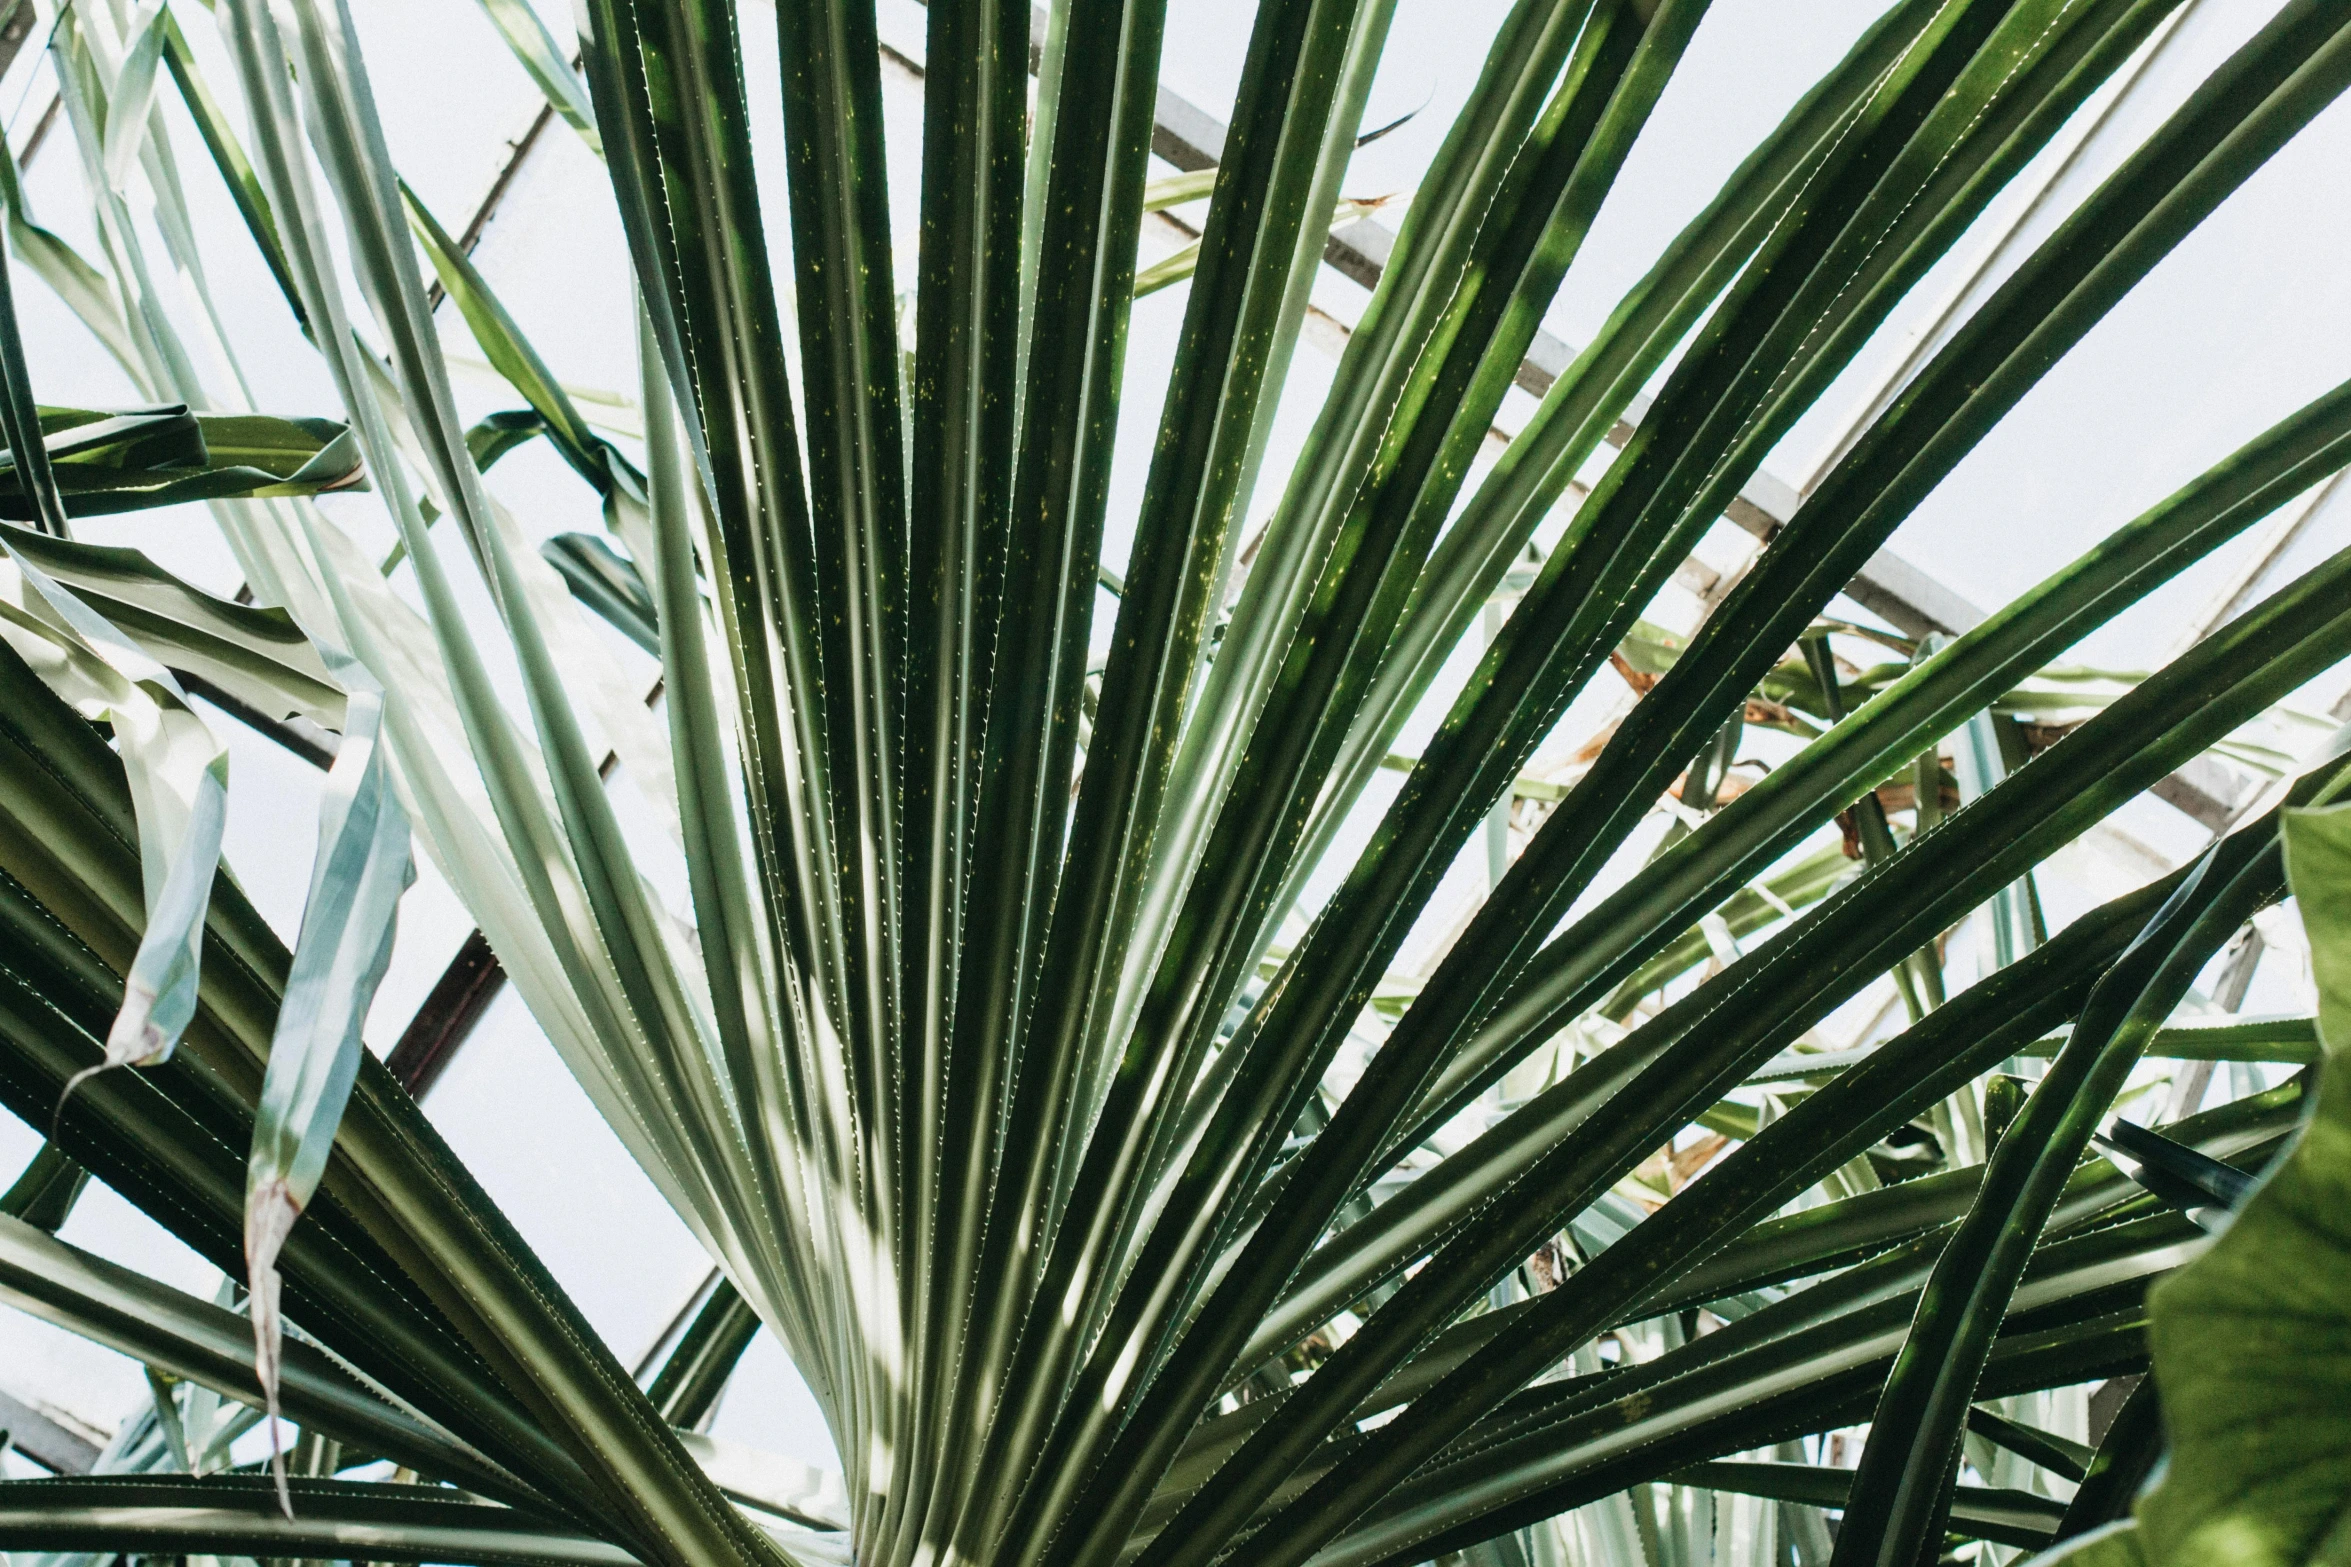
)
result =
(502, 342)
(82, 286)
(134, 92)
(179, 787)
(362, 868)
(535, 50)
(256, 654)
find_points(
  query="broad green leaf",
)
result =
(2253, 1342)
(2118, 1544)
(2318, 863)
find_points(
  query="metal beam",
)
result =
(447, 1018)
(2205, 790)
(45, 1439)
(301, 736)
(518, 153)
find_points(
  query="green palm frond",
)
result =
(1396, 984)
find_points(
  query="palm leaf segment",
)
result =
(1044, 1051)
